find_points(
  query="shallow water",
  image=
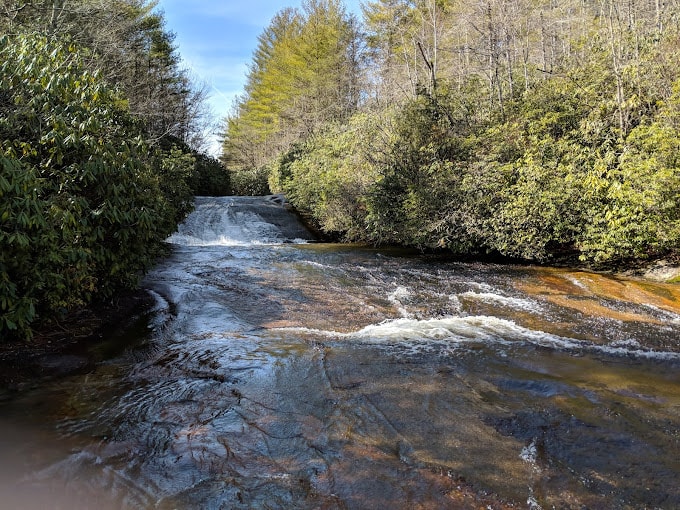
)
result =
(278, 374)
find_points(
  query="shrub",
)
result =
(250, 182)
(209, 177)
(328, 177)
(81, 209)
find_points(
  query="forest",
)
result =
(101, 132)
(532, 129)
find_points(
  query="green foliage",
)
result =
(174, 170)
(415, 200)
(209, 177)
(303, 75)
(640, 211)
(250, 182)
(525, 136)
(538, 214)
(328, 177)
(22, 234)
(82, 209)
(129, 46)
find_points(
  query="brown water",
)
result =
(283, 375)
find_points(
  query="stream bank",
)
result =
(73, 345)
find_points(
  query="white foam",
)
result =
(459, 331)
(455, 303)
(452, 329)
(484, 287)
(243, 229)
(317, 264)
(224, 222)
(529, 453)
(577, 282)
(397, 298)
(672, 317)
(160, 310)
(626, 344)
(532, 503)
(512, 302)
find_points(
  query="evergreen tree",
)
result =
(305, 73)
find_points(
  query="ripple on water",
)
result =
(400, 382)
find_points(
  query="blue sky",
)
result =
(216, 40)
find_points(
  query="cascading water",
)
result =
(279, 374)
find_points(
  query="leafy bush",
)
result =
(209, 177)
(175, 168)
(418, 198)
(81, 208)
(328, 177)
(640, 211)
(250, 182)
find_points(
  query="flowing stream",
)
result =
(275, 373)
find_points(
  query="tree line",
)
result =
(532, 129)
(100, 152)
